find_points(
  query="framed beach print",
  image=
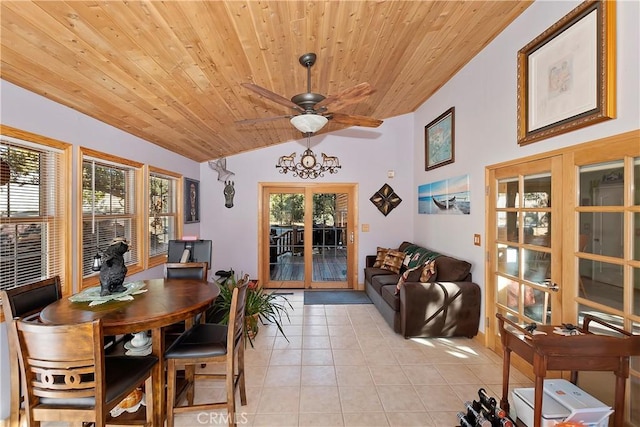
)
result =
(191, 200)
(566, 75)
(439, 139)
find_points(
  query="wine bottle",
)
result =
(463, 420)
(479, 419)
(493, 410)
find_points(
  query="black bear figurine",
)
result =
(113, 270)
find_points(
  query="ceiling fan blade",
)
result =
(347, 97)
(272, 96)
(260, 120)
(347, 119)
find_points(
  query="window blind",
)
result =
(162, 212)
(32, 214)
(108, 209)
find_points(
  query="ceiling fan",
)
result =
(313, 109)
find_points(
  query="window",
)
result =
(163, 217)
(33, 208)
(110, 208)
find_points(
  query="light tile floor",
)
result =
(342, 365)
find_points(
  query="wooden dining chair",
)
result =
(68, 378)
(210, 343)
(25, 302)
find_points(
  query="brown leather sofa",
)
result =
(446, 306)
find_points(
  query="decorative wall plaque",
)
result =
(385, 199)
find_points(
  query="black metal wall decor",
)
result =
(229, 192)
(385, 199)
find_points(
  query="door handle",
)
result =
(552, 286)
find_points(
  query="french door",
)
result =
(524, 242)
(307, 236)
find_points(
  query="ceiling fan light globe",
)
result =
(309, 123)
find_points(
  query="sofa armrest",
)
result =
(370, 260)
(440, 309)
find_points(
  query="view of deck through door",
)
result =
(307, 236)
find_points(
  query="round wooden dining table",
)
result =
(165, 302)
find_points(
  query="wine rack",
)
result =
(484, 412)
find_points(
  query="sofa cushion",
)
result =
(393, 260)
(381, 253)
(371, 272)
(451, 269)
(388, 294)
(384, 280)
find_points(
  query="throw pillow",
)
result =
(429, 272)
(380, 254)
(404, 277)
(393, 260)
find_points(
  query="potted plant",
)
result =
(262, 307)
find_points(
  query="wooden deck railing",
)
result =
(289, 241)
(292, 240)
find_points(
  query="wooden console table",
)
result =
(586, 352)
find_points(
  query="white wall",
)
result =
(484, 96)
(365, 156)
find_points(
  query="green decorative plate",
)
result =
(92, 295)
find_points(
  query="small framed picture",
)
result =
(191, 200)
(439, 139)
(566, 75)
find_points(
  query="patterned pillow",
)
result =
(429, 272)
(404, 277)
(380, 254)
(393, 260)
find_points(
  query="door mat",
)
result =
(335, 297)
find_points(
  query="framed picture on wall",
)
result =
(191, 200)
(439, 139)
(566, 75)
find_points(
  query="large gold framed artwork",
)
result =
(566, 75)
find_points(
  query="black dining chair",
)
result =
(210, 343)
(67, 377)
(25, 302)
(184, 270)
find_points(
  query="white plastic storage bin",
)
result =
(561, 401)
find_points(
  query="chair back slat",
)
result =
(186, 270)
(66, 381)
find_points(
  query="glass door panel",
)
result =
(329, 261)
(286, 242)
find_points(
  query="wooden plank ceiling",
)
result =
(170, 72)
